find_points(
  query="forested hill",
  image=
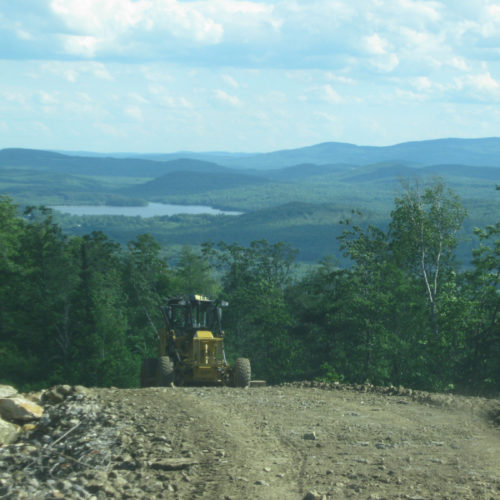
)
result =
(189, 182)
(476, 152)
(394, 171)
(84, 165)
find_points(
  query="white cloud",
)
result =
(459, 63)
(41, 127)
(84, 46)
(110, 130)
(161, 96)
(422, 83)
(24, 35)
(427, 10)
(327, 116)
(494, 12)
(138, 98)
(185, 103)
(386, 63)
(230, 81)
(478, 86)
(226, 98)
(83, 96)
(408, 95)
(484, 82)
(99, 17)
(15, 97)
(47, 98)
(99, 25)
(70, 75)
(339, 78)
(271, 98)
(384, 60)
(99, 71)
(330, 95)
(134, 112)
(375, 44)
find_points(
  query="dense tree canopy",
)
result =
(86, 310)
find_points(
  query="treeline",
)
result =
(85, 310)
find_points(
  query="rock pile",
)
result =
(72, 438)
(82, 447)
(16, 413)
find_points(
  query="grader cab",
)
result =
(191, 347)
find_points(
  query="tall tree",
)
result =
(193, 274)
(147, 281)
(253, 281)
(423, 233)
(481, 368)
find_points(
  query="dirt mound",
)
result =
(293, 441)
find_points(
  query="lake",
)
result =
(150, 210)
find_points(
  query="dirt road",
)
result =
(261, 443)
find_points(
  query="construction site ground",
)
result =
(281, 442)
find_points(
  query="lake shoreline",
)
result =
(150, 210)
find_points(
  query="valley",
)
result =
(298, 196)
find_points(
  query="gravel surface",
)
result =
(296, 441)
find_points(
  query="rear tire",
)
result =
(242, 372)
(148, 372)
(165, 371)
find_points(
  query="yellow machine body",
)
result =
(191, 347)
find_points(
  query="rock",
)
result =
(8, 432)
(314, 495)
(173, 463)
(260, 482)
(56, 394)
(7, 391)
(19, 408)
(309, 436)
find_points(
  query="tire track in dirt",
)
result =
(244, 462)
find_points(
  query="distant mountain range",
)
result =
(474, 152)
(466, 158)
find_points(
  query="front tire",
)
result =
(165, 371)
(242, 372)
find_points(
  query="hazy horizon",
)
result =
(229, 152)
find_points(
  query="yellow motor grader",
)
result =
(191, 347)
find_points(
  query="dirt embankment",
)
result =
(281, 442)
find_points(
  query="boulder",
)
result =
(19, 408)
(8, 432)
(7, 391)
(59, 393)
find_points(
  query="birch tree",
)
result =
(423, 233)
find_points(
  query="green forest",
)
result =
(401, 310)
(295, 196)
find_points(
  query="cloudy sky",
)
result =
(261, 75)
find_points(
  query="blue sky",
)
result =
(205, 75)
